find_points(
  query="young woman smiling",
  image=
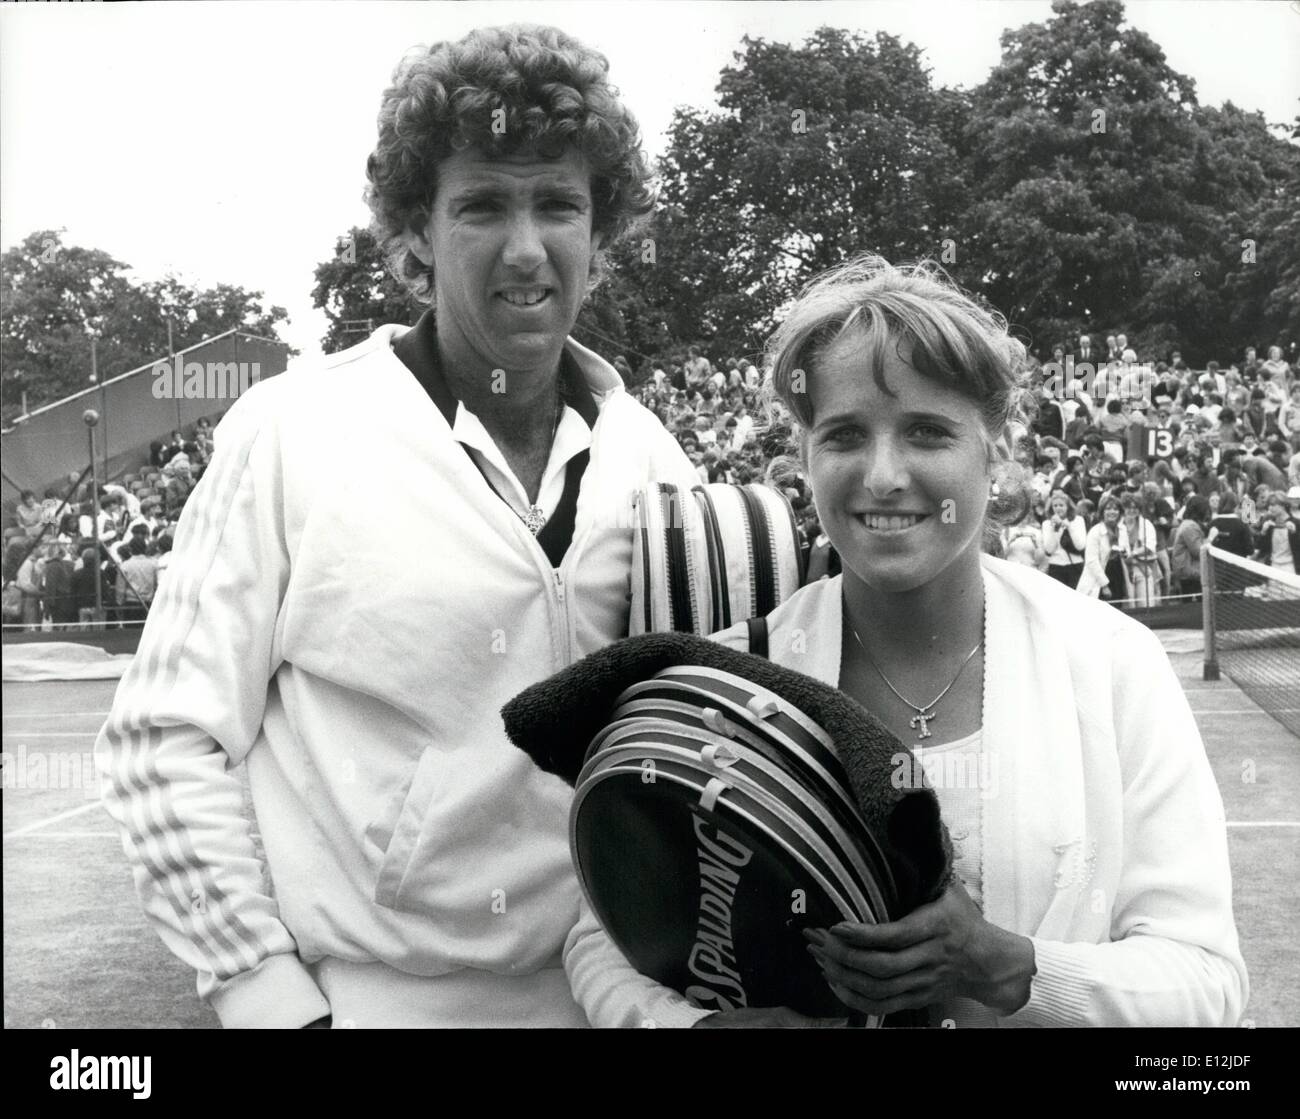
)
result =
(1091, 879)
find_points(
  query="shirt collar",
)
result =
(418, 351)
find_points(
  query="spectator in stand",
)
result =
(1232, 480)
(705, 435)
(1263, 469)
(1135, 476)
(744, 425)
(137, 579)
(697, 369)
(178, 487)
(1277, 542)
(83, 585)
(1165, 475)
(1160, 513)
(15, 553)
(1064, 537)
(1188, 539)
(1256, 420)
(1212, 407)
(1023, 543)
(1229, 433)
(1052, 469)
(1204, 477)
(1049, 420)
(716, 468)
(1099, 549)
(1254, 507)
(150, 516)
(56, 587)
(718, 380)
(162, 557)
(1288, 417)
(1276, 367)
(29, 582)
(52, 503)
(1279, 457)
(1085, 349)
(158, 456)
(198, 460)
(1228, 531)
(1078, 427)
(113, 518)
(128, 501)
(1113, 349)
(1274, 390)
(28, 517)
(1293, 470)
(1135, 436)
(1137, 548)
(1117, 481)
(1072, 485)
(1113, 422)
(1218, 382)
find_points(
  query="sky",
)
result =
(226, 142)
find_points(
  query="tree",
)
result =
(1105, 198)
(355, 288)
(815, 153)
(53, 296)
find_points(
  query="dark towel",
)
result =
(554, 721)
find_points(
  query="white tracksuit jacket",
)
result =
(348, 607)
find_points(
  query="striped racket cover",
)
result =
(707, 560)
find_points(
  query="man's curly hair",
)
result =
(444, 99)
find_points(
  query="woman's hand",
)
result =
(940, 951)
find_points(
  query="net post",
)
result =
(1210, 668)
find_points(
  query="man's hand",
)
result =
(940, 951)
(770, 1017)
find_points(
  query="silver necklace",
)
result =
(924, 715)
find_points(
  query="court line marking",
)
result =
(1264, 823)
(51, 734)
(53, 819)
(73, 835)
(1248, 711)
(59, 715)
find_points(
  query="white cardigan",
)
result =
(1105, 841)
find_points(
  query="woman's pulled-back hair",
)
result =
(501, 91)
(939, 330)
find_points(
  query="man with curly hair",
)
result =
(386, 547)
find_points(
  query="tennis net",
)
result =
(1251, 617)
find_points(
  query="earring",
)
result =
(993, 489)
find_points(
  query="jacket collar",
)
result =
(584, 376)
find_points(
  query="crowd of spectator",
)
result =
(1125, 474)
(1126, 470)
(55, 550)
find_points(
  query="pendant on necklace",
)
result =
(534, 519)
(924, 720)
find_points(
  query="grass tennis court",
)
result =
(78, 952)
